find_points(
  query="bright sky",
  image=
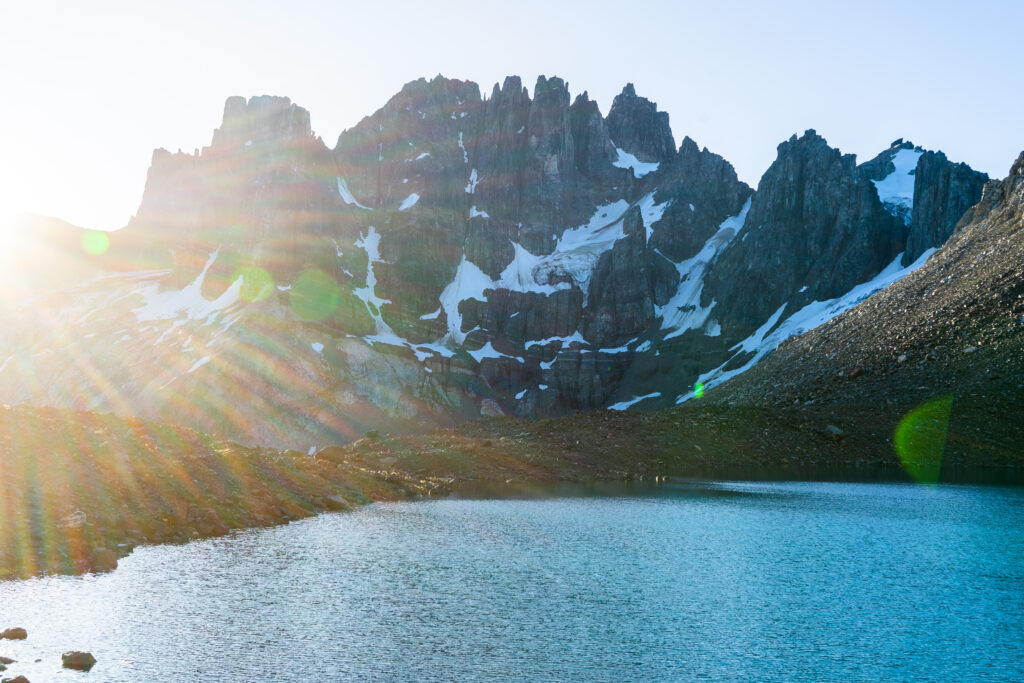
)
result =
(90, 88)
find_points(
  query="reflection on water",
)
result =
(775, 581)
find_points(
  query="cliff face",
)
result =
(952, 330)
(456, 254)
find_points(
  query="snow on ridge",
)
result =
(623, 405)
(409, 202)
(346, 194)
(896, 190)
(683, 311)
(640, 168)
(772, 333)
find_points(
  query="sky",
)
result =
(90, 89)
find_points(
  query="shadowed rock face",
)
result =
(493, 249)
(813, 222)
(702, 191)
(627, 283)
(954, 328)
(636, 125)
(943, 191)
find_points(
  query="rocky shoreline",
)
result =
(73, 508)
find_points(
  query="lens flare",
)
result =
(920, 439)
(257, 283)
(95, 242)
(314, 295)
(698, 389)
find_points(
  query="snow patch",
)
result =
(768, 336)
(520, 395)
(488, 351)
(683, 311)
(566, 341)
(318, 347)
(477, 213)
(896, 190)
(578, 249)
(346, 194)
(627, 160)
(575, 255)
(409, 201)
(623, 405)
(473, 180)
(370, 243)
(198, 364)
(469, 283)
(166, 305)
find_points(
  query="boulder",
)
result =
(16, 679)
(78, 660)
(14, 633)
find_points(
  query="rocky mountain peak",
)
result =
(263, 118)
(1017, 170)
(812, 206)
(551, 87)
(637, 127)
(943, 191)
(688, 147)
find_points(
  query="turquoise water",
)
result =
(715, 581)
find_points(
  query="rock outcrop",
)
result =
(943, 191)
(636, 126)
(814, 224)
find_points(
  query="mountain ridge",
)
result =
(498, 255)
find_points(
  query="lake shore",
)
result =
(81, 490)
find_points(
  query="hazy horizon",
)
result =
(97, 88)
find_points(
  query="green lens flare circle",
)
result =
(314, 295)
(698, 389)
(920, 439)
(257, 284)
(95, 242)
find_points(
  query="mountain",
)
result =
(951, 331)
(457, 255)
(923, 380)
